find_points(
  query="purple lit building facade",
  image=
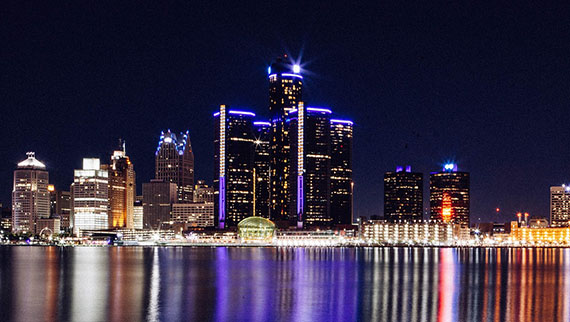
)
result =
(234, 171)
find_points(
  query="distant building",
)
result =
(174, 162)
(121, 190)
(203, 192)
(138, 213)
(90, 197)
(199, 214)
(540, 236)
(560, 206)
(48, 226)
(5, 218)
(158, 197)
(403, 195)
(449, 195)
(341, 171)
(310, 166)
(60, 207)
(412, 232)
(233, 157)
(262, 166)
(285, 92)
(30, 195)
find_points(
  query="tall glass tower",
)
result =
(449, 195)
(341, 171)
(285, 92)
(261, 168)
(234, 160)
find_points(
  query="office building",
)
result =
(310, 166)
(449, 195)
(199, 214)
(121, 190)
(341, 171)
(403, 195)
(90, 197)
(60, 207)
(261, 167)
(30, 195)
(560, 206)
(158, 197)
(138, 213)
(174, 162)
(203, 192)
(285, 92)
(233, 157)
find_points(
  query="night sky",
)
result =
(482, 85)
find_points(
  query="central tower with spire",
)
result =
(285, 93)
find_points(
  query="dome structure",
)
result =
(256, 229)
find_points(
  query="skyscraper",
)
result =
(310, 167)
(285, 92)
(174, 162)
(233, 157)
(403, 195)
(30, 195)
(560, 206)
(261, 168)
(341, 171)
(60, 207)
(158, 197)
(121, 190)
(449, 195)
(90, 197)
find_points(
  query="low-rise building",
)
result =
(544, 235)
(198, 214)
(424, 232)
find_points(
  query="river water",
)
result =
(283, 284)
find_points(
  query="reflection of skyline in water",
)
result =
(293, 284)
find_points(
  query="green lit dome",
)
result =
(256, 229)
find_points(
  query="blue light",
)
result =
(241, 113)
(262, 123)
(216, 114)
(292, 75)
(269, 70)
(450, 167)
(318, 109)
(342, 121)
(399, 169)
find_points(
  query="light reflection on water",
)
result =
(284, 284)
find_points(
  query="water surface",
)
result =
(283, 284)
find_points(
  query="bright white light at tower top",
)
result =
(296, 69)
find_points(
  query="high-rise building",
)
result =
(233, 157)
(121, 190)
(449, 195)
(560, 206)
(285, 92)
(198, 214)
(138, 213)
(341, 171)
(310, 130)
(261, 168)
(60, 207)
(403, 195)
(158, 197)
(30, 195)
(174, 162)
(203, 192)
(90, 197)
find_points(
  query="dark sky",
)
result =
(484, 85)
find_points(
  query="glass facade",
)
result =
(256, 229)
(403, 195)
(341, 171)
(234, 157)
(261, 169)
(449, 196)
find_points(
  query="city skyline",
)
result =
(415, 98)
